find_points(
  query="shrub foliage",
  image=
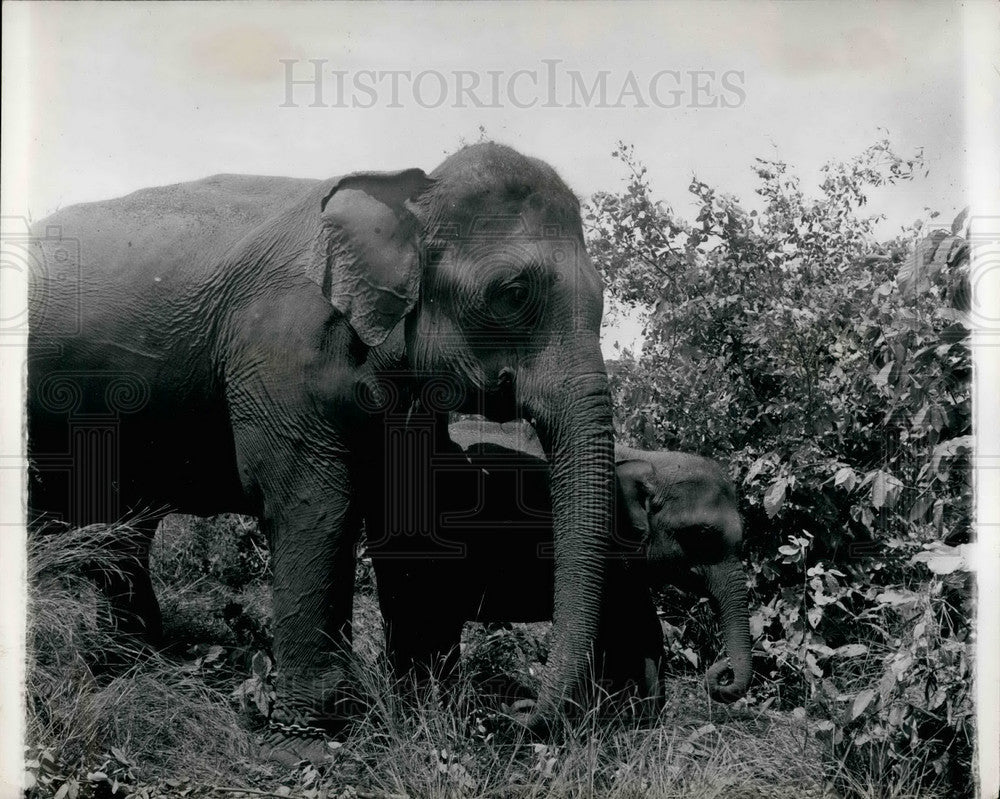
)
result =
(831, 370)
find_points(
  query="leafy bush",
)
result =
(831, 371)
(228, 548)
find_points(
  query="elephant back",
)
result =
(184, 223)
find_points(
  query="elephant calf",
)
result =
(491, 561)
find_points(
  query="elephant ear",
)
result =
(369, 250)
(635, 490)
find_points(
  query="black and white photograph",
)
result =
(461, 400)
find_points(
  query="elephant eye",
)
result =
(515, 296)
(514, 302)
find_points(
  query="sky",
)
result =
(103, 99)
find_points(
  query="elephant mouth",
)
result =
(499, 403)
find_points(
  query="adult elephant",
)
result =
(676, 523)
(248, 344)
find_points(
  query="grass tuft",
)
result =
(162, 721)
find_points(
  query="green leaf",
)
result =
(897, 598)
(846, 478)
(260, 664)
(942, 559)
(882, 378)
(814, 616)
(885, 489)
(861, 702)
(919, 508)
(756, 468)
(887, 684)
(958, 223)
(775, 497)
(937, 417)
(850, 651)
(901, 664)
(879, 490)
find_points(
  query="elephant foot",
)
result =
(320, 703)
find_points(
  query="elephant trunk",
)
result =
(574, 427)
(727, 587)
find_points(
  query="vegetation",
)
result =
(829, 368)
(186, 721)
(832, 372)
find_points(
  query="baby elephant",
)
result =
(491, 561)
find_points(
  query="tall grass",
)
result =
(172, 721)
(462, 748)
(159, 719)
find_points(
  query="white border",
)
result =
(982, 132)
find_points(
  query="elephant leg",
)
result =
(311, 527)
(424, 650)
(422, 631)
(629, 647)
(313, 600)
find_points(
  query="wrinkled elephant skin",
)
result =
(248, 344)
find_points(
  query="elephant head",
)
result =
(682, 510)
(479, 272)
